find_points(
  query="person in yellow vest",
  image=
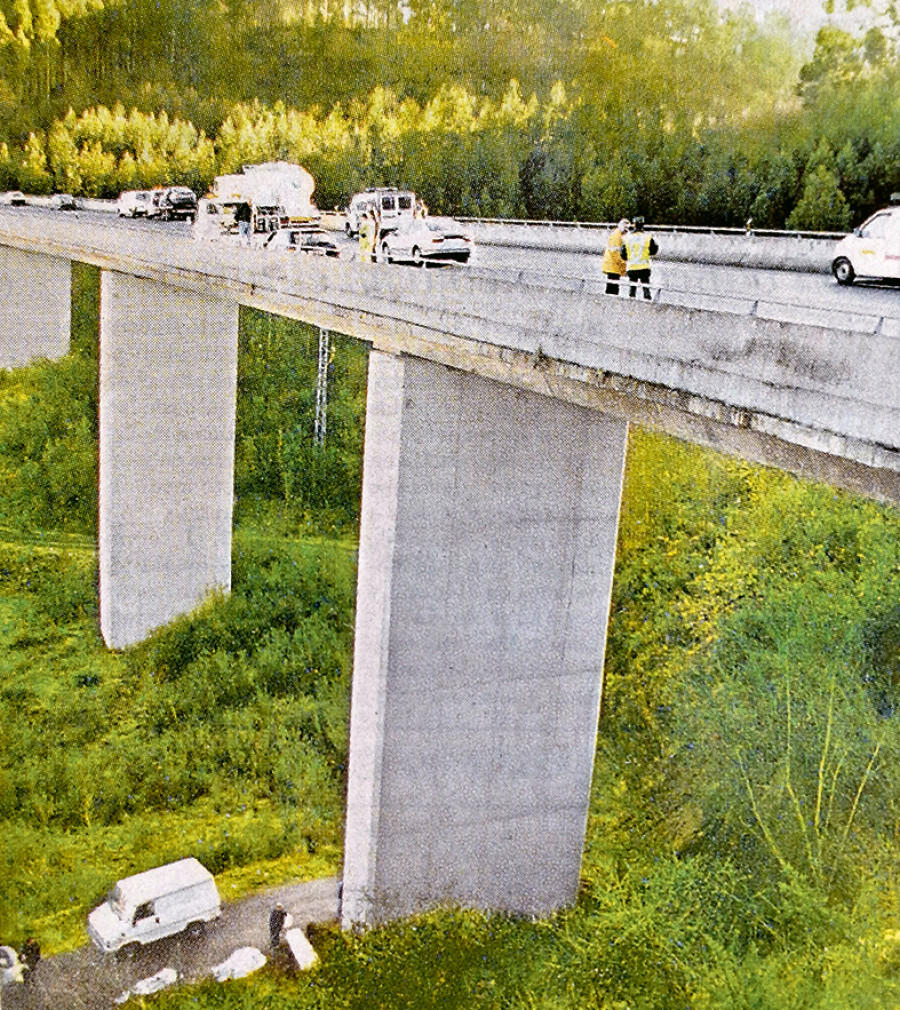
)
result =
(640, 246)
(367, 237)
(613, 262)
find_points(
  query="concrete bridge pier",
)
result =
(487, 541)
(168, 380)
(35, 307)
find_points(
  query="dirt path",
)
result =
(85, 979)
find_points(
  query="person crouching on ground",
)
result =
(640, 246)
(613, 262)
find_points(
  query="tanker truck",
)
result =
(277, 193)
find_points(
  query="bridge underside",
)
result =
(486, 555)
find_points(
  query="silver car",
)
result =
(426, 240)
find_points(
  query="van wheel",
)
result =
(348, 229)
(386, 252)
(417, 257)
(843, 271)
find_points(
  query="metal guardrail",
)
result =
(673, 229)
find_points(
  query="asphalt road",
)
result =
(85, 979)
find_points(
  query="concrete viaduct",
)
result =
(498, 414)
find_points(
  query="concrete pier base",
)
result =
(35, 307)
(487, 542)
(168, 379)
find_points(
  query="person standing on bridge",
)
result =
(367, 237)
(640, 246)
(243, 215)
(613, 262)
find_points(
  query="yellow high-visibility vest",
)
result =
(637, 247)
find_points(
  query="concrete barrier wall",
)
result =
(771, 252)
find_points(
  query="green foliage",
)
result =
(823, 207)
(276, 459)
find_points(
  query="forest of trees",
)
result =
(557, 110)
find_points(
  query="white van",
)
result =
(133, 203)
(154, 904)
(871, 250)
(392, 205)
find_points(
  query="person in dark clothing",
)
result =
(277, 918)
(243, 214)
(30, 956)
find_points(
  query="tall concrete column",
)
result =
(168, 378)
(488, 535)
(35, 307)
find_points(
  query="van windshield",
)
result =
(404, 202)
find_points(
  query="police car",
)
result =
(872, 250)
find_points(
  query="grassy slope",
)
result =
(754, 627)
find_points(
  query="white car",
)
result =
(133, 203)
(16, 199)
(427, 240)
(872, 250)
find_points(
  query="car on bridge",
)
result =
(134, 203)
(63, 201)
(15, 198)
(175, 203)
(309, 240)
(427, 240)
(872, 250)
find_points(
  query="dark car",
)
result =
(177, 202)
(64, 201)
(308, 240)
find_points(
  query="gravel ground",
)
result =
(85, 979)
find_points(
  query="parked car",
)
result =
(156, 903)
(133, 203)
(427, 240)
(392, 206)
(308, 240)
(176, 202)
(871, 250)
(63, 201)
(16, 199)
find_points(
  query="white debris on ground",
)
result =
(244, 961)
(301, 948)
(162, 979)
(10, 966)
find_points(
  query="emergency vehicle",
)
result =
(278, 193)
